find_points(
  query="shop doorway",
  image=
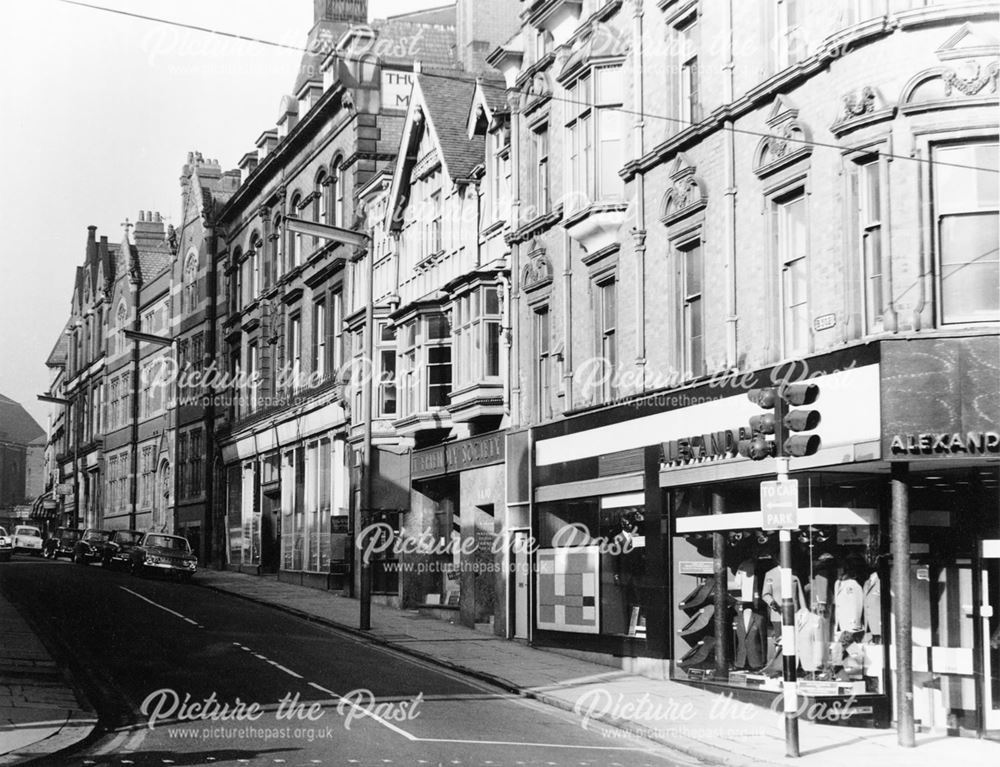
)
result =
(519, 583)
(955, 666)
(990, 619)
(270, 533)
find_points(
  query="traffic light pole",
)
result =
(788, 656)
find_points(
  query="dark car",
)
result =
(90, 547)
(168, 554)
(119, 547)
(61, 543)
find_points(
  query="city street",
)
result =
(224, 681)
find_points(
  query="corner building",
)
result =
(714, 197)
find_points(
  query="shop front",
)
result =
(287, 495)
(941, 438)
(450, 559)
(652, 552)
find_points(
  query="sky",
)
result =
(99, 112)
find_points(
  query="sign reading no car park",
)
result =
(779, 504)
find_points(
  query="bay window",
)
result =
(386, 361)
(965, 207)
(426, 363)
(477, 335)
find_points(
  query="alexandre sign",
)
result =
(970, 443)
(471, 453)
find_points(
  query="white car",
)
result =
(6, 545)
(28, 539)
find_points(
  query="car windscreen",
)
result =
(97, 535)
(167, 542)
(28, 531)
(128, 538)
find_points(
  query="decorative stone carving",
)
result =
(788, 142)
(971, 78)
(859, 107)
(686, 195)
(537, 272)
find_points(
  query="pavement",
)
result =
(40, 715)
(700, 723)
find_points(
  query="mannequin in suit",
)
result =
(771, 594)
(752, 627)
(873, 608)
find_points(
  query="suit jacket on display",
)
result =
(751, 639)
(873, 605)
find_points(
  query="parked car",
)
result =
(90, 547)
(61, 543)
(169, 554)
(6, 545)
(118, 547)
(28, 539)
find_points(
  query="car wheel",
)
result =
(106, 563)
(47, 553)
(79, 559)
(133, 567)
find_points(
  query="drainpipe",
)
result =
(732, 359)
(214, 552)
(513, 100)
(567, 352)
(639, 230)
(890, 322)
(923, 306)
(136, 282)
(365, 622)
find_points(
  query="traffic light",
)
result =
(794, 421)
(757, 446)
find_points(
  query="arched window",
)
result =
(295, 238)
(116, 336)
(189, 296)
(235, 282)
(337, 193)
(320, 211)
(274, 248)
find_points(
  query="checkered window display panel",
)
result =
(568, 580)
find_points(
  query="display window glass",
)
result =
(592, 566)
(838, 568)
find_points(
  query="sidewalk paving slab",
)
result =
(40, 715)
(696, 722)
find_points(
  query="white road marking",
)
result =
(112, 745)
(165, 609)
(323, 689)
(285, 669)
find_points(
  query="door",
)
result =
(990, 562)
(520, 576)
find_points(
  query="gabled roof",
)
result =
(488, 101)
(60, 351)
(443, 98)
(16, 425)
(447, 98)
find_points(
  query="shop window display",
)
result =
(592, 566)
(836, 593)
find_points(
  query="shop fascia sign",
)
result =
(458, 456)
(953, 443)
(699, 447)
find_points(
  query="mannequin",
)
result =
(873, 608)
(849, 597)
(771, 593)
(752, 629)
